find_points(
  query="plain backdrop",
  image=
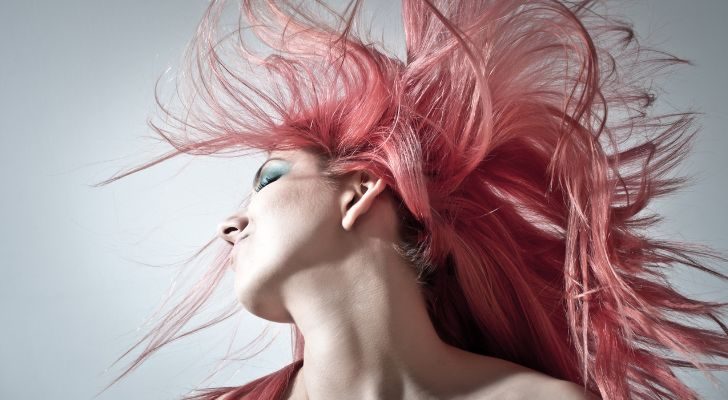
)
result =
(81, 265)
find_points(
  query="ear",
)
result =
(359, 194)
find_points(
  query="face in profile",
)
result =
(292, 226)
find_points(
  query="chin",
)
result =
(269, 308)
(273, 314)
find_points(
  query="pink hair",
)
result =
(521, 199)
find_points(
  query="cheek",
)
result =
(316, 225)
(293, 227)
(304, 223)
(292, 230)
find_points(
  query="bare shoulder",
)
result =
(541, 386)
(481, 377)
(566, 390)
(522, 383)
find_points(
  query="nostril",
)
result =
(229, 229)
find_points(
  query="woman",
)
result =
(324, 258)
(461, 223)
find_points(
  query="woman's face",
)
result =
(292, 223)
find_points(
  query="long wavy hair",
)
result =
(519, 140)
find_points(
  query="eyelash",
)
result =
(265, 181)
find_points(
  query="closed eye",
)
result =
(270, 172)
(265, 181)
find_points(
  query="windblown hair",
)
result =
(521, 203)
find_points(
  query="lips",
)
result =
(232, 260)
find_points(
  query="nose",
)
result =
(232, 228)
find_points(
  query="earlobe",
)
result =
(362, 204)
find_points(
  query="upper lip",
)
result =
(241, 238)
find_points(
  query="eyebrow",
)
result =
(257, 173)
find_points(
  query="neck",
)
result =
(366, 329)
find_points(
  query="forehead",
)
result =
(297, 156)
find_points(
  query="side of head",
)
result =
(424, 126)
(303, 216)
(418, 132)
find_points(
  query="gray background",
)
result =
(76, 87)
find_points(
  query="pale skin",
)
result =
(322, 258)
